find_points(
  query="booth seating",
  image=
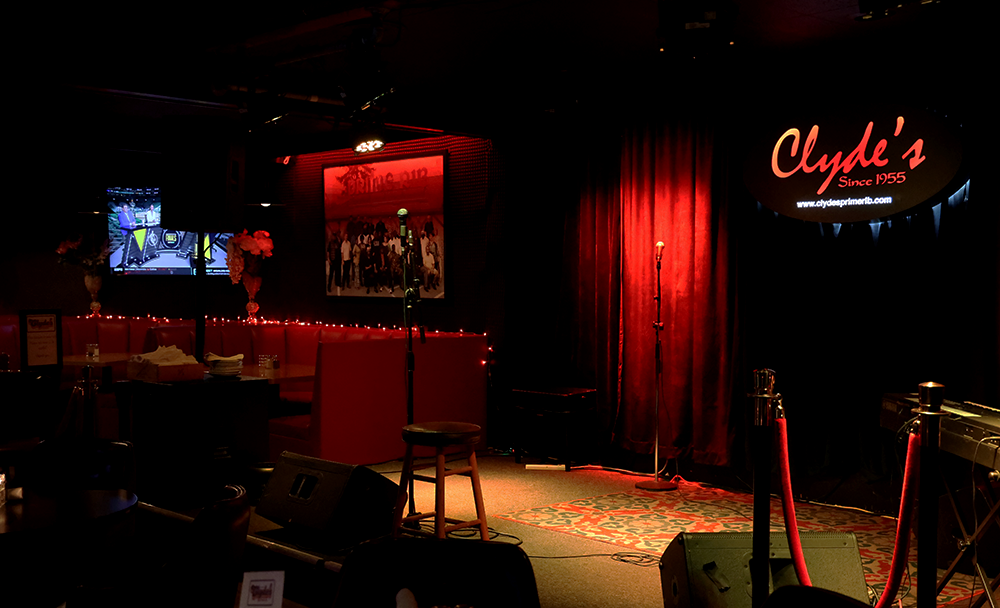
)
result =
(359, 394)
(115, 335)
(360, 402)
(292, 343)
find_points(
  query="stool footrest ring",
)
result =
(419, 516)
(459, 524)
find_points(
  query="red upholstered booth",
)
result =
(114, 334)
(180, 335)
(293, 343)
(360, 405)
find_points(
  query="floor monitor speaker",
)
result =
(712, 570)
(328, 504)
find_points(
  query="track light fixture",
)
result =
(368, 138)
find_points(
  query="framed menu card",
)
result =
(41, 339)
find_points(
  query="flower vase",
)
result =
(252, 283)
(93, 282)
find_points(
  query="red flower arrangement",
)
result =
(244, 255)
(87, 253)
(242, 249)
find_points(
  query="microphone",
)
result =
(402, 213)
(659, 250)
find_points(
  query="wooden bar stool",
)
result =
(440, 435)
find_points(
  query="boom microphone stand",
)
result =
(657, 484)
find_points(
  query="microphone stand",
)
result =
(657, 484)
(411, 297)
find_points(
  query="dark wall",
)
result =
(507, 203)
(293, 279)
(298, 229)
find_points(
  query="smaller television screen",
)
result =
(139, 245)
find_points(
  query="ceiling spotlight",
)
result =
(368, 138)
(371, 145)
(275, 119)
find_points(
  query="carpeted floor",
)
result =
(645, 521)
(539, 510)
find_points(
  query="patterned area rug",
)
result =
(647, 521)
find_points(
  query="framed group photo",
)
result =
(364, 246)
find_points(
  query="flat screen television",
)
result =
(140, 245)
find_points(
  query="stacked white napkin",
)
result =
(224, 366)
(164, 355)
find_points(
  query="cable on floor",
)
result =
(636, 559)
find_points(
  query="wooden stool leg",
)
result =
(439, 522)
(402, 494)
(477, 492)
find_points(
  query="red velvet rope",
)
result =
(788, 505)
(900, 552)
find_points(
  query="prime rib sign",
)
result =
(852, 165)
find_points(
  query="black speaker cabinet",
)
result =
(712, 570)
(327, 504)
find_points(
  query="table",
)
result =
(36, 513)
(111, 366)
(286, 373)
(99, 409)
(51, 544)
(193, 436)
(102, 360)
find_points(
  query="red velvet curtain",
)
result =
(670, 188)
(593, 279)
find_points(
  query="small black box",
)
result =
(557, 422)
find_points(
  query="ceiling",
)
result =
(453, 65)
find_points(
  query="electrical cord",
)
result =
(636, 559)
(597, 467)
(718, 504)
(626, 557)
(904, 428)
(975, 514)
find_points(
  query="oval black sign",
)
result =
(852, 165)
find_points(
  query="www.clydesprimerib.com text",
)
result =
(844, 202)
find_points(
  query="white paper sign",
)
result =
(42, 340)
(262, 588)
